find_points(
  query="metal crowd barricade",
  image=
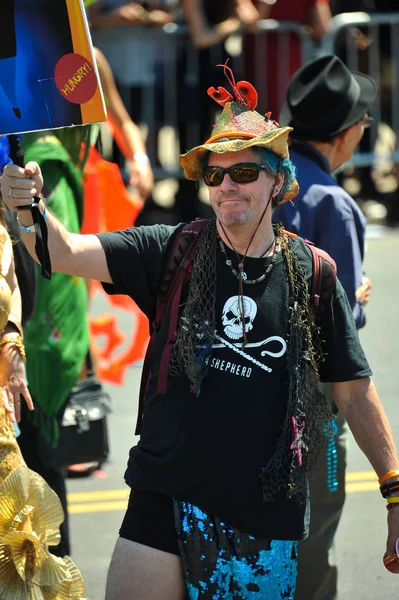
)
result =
(278, 47)
(370, 43)
(164, 84)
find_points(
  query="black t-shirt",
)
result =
(209, 450)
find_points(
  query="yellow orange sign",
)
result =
(48, 75)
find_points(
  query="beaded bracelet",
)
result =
(14, 339)
(392, 505)
(389, 488)
(388, 475)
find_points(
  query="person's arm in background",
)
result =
(126, 133)
(247, 14)
(203, 34)
(130, 14)
(320, 18)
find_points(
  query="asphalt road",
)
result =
(97, 503)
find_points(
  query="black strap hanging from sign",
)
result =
(41, 247)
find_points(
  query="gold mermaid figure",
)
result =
(30, 512)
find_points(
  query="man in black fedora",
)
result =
(328, 107)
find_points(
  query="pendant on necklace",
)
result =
(243, 273)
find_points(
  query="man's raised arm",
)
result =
(74, 254)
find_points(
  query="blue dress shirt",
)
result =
(324, 213)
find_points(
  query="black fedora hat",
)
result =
(324, 98)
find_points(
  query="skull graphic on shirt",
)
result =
(231, 316)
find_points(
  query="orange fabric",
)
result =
(108, 204)
(113, 359)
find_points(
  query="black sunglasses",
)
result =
(240, 173)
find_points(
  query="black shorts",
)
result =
(149, 520)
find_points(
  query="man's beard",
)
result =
(233, 217)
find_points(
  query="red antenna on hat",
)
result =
(268, 116)
(244, 92)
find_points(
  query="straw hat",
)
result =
(237, 128)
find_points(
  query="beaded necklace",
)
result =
(240, 274)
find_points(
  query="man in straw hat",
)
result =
(328, 107)
(219, 476)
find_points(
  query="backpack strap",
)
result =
(324, 277)
(323, 281)
(176, 270)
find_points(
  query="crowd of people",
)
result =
(214, 520)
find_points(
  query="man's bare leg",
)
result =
(139, 572)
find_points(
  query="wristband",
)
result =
(389, 488)
(140, 157)
(388, 476)
(31, 228)
(393, 499)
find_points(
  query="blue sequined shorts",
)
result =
(219, 561)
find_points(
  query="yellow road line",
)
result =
(93, 507)
(113, 500)
(362, 486)
(99, 495)
(361, 476)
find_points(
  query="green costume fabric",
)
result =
(56, 336)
